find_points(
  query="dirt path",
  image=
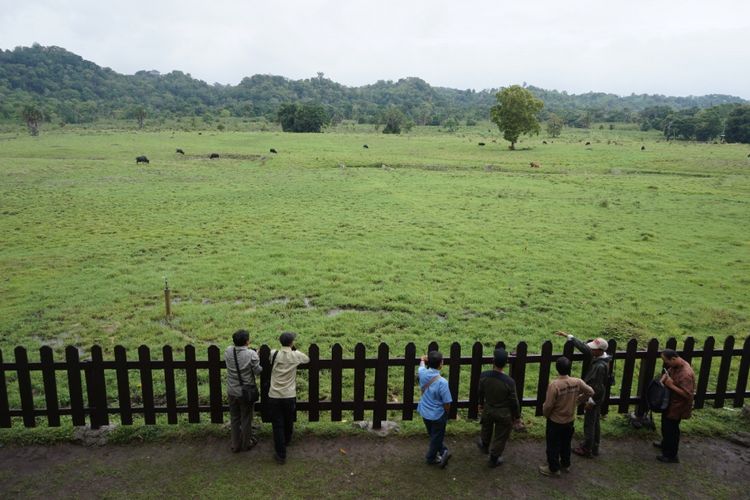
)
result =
(367, 467)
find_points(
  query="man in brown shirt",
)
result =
(680, 380)
(564, 394)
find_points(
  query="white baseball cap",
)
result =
(599, 343)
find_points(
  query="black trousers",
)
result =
(282, 420)
(670, 436)
(558, 444)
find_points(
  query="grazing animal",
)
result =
(141, 159)
(534, 164)
(544, 142)
(481, 143)
(200, 133)
(366, 146)
(643, 148)
(273, 151)
(588, 143)
(180, 151)
(213, 155)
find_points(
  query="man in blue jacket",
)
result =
(434, 406)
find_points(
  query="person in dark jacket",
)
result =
(597, 377)
(499, 407)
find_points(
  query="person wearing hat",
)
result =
(597, 376)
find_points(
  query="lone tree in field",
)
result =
(393, 120)
(554, 125)
(32, 115)
(307, 117)
(738, 125)
(515, 113)
(139, 113)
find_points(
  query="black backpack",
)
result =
(657, 396)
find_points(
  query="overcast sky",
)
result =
(668, 47)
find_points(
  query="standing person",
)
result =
(282, 395)
(434, 406)
(239, 356)
(499, 407)
(597, 377)
(679, 378)
(564, 394)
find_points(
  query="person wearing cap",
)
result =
(597, 376)
(498, 404)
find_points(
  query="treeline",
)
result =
(68, 89)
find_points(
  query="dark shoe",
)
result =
(495, 461)
(657, 444)
(484, 449)
(444, 458)
(566, 470)
(583, 452)
(545, 471)
(279, 460)
(595, 452)
(668, 460)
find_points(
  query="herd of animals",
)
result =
(213, 156)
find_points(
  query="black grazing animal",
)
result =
(588, 143)
(180, 151)
(481, 143)
(213, 155)
(273, 151)
(544, 142)
(643, 148)
(141, 159)
(366, 146)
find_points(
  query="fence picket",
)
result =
(313, 384)
(216, 396)
(191, 380)
(476, 372)
(359, 381)
(705, 371)
(171, 393)
(147, 385)
(519, 370)
(626, 387)
(739, 393)
(50, 386)
(24, 387)
(543, 383)
(646, 373)
(123, 385)
(336, 382)
(410, 362)
(454, 374)
(75, 387)
(611, 350)
(381, 387)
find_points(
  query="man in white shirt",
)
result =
(282, 395)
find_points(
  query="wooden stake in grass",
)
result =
(167, 298)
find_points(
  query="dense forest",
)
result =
(68, 89)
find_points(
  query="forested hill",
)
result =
(71, 89)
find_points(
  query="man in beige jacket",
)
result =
(564, 394)
(282, 396)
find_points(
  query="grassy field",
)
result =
(420, 237)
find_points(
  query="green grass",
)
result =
(420, 237)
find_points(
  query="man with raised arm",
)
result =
(434, 406)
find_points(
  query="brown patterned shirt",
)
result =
(683, 377)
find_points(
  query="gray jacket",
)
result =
(249, 363)
(597, 376)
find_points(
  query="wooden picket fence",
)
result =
(98, 404)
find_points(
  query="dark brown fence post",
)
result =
(336, 382)
(214, 385)
(147, 385)
(739, 394)
(648, 366)
(671, 343)
(726, 361)
(476, 372)
(191, 379)
(265, 381)
(611, 350)
(123, 385)
(432, 346)
(75, 387)
(313, 384)
(687, 350)
(169, 386)
(359, 381)
(24, 386)
(410, 361)
(50, 386)
(543, 382)
(454, 374)
(381, 387)
(706, 359)
(519, 370)
(626, 386)
(4, 404)
(97, 389)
